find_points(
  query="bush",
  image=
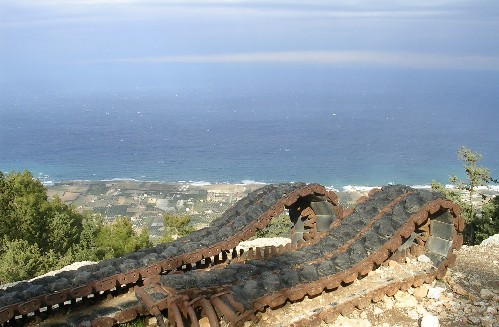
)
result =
(479, 224)
(19, 260)
(175, 227)
(40, 235)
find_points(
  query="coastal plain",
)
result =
(146, 203)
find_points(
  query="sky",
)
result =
(89, 44)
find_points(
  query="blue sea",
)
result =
(334, 128)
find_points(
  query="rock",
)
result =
(413, 314)
(204, 322)
(486, 294)
(342, 321)
(388, 303)
(405, 300)
(421, 292)
(458, 289)
(494, 239)
(392, 263)
(475, 320)
(421, 310)
(435, 292)
(152, 322)
(491, 310)
(476, 283)
(430, 320)
(424, 259)
(377, 311)
(488, 321)
(363, 323)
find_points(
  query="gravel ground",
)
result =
(467, 296)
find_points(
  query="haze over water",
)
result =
(362, 94)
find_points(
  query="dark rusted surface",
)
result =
(202, 275)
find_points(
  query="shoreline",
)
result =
(147, 203)
(190, 183)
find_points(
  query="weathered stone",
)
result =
(413, 314)
(388, 303)
(405, 300)
(435, 292)
(476, 283)
(474, 320)
(424, 259)
(486, 294)
(421, 310)
(345, 321)
(204, 322)
(421, 292)
(430, 320)
(152, 322)
(394, 264)
(458, 289)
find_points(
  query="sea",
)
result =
(342, 130)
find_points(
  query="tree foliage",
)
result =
(488, 220)
(118, 238)
(20, 260)
(175, 227)
(38, 235)
(279, 226)
(475, 175)
(479, 224)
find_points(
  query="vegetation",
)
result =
(37, 235)
(175, 227)
(278, 227)
(480, 222)
(118, 238)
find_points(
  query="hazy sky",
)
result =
(126, 43)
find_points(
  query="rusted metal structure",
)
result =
(203, 275)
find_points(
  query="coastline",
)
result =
(242, 187)
(147, 202)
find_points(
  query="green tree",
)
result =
(475, 175)
(65, 227)
(116, 239)
(476, 228)
(19, 260)
(175, 227)
(25, 209)
(86, 249)
(278, 227)
(488, 220)
(38, 235)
